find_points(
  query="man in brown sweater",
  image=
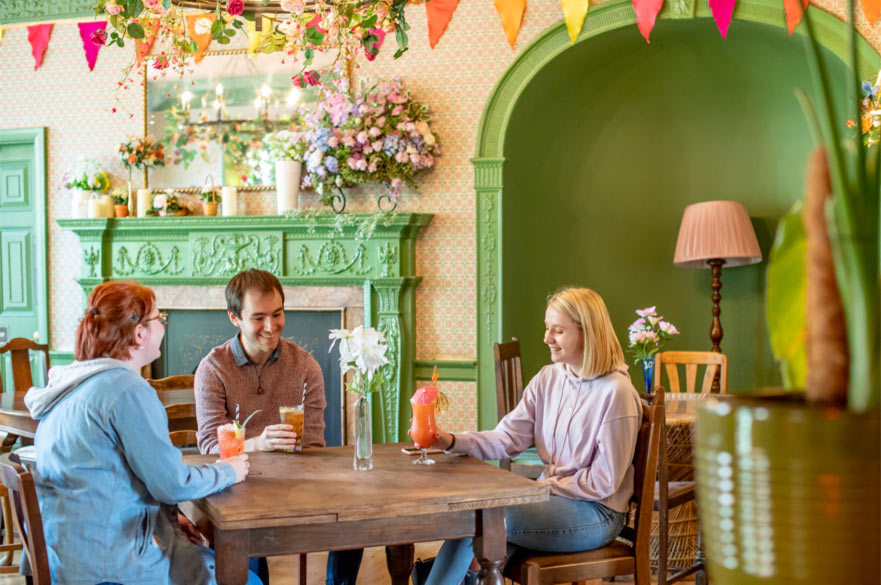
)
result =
(259, 370)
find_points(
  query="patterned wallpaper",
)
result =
(455, 79)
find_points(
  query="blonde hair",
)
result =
(602, 350)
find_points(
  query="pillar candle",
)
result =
(107, 202)
(96, 208)
(145, 201)
(230, 201)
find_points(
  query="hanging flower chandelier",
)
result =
(182, 29)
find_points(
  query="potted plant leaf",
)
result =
(788, 485)
(210, 199)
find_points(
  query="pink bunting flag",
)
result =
(374, 50)
(646, 15)
(38, 36)
(93, 35)
(722, 11)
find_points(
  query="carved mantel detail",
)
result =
(199, 251)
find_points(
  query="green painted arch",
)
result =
(831, 32)
(489, 160)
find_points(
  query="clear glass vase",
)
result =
(363, 435)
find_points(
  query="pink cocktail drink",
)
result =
(231, 440)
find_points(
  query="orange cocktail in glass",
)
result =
(423, 429)
(231, 440)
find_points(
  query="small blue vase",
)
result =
(648, 372)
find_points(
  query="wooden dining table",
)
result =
(315, 501)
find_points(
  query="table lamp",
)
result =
(713, 234)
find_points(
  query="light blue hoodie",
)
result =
(104, 466)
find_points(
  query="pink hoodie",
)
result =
(584, 430)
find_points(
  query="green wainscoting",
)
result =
(588, 154)
(308, 251)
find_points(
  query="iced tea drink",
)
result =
(231, 440)
(293, 415)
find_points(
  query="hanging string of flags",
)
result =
(438, 12)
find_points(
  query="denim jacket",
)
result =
(104, 466)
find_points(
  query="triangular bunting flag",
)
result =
(872, 10)
(722, 11)
(2, 32)
(439, 13)
(199, 26)
(143, 46)
(646, 15)
(574, 12)
(511, 14)
(380, 36)
(38, 35)
(93, 40)
(794, 10)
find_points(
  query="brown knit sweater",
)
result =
(226, 377)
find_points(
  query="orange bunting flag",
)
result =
(143, 46)
(646, 15)
(439, 13)
(199, 26)
(38, 36)
(511, 13)
(794, 10)
(574, 12)
(722, 11)
(872, 10)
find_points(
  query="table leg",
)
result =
(231, 556)
(490, 545)
(399, 559)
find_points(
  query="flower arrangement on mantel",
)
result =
(141, 152)
(87, 174)
(381, 134)
(167, 204)
(297, 27)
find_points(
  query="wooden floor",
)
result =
(284, 570)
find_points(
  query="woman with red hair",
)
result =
(105, 464)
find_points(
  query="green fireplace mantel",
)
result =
(308, 251)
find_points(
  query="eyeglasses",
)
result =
(161, 317)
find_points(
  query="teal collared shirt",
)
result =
(241, 357)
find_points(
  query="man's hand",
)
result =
(190, 530)
(273, 437)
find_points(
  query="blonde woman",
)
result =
(582, 414)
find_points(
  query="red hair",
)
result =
(113, 311)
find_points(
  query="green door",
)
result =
(23, 296)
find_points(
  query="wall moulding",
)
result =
(197, 251)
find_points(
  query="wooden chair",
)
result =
(181, 415)
(28, 521)
(619, 557)
(671, 494)
(509, 391)
(21, 361)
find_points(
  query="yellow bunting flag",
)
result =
(574, 12)
(872, 10)
(511, 14)
(263, 41)
(199, 27)
(2, 32)
(794, 10)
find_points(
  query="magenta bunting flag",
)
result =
(38, 35)
(722, 11)
(93, 36)
(646, 14)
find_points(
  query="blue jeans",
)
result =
(558, 525)
(343, 565)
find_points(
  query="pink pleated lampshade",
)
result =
(716, 229)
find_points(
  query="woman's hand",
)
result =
(240, 465)
(442, 441)
(280, 436)
(189, 529)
